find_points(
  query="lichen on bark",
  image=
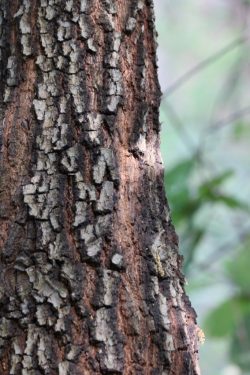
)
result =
(90, 270)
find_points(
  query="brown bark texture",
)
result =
(90, 279)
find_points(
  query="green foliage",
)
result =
(206, 138)
(186, 202)
(230, 319)
(241, 129)
(177, 186)
(226, 317)
(240, 347)
(238, 269)
(209, 192)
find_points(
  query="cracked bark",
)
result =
(89, 267)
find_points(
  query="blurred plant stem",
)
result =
(204, 64)
(223, 250)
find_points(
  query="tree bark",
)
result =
(90, 271)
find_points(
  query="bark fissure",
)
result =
(90, 271)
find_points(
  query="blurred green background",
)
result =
(204, 70)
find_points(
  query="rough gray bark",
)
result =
(90, 271)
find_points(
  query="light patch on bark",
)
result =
(105, 334)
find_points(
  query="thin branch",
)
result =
(230, 119)
(203, 64)
(179, 126)
(229, 85)
(223, 250)
(216, 126)
(196, 151)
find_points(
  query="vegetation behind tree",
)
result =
(205, 113)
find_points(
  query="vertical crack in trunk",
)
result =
(90, 271)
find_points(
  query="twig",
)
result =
(230, 119)
(203, 64)
(220, 252)
(179, 126)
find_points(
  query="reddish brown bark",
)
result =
(90, 271)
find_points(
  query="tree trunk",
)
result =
(90, 271)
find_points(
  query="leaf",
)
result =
(176, 183)
(223, 320)
(189, 250)
(241, 130)
(209, 192)
(184, 209)
(230, 201)
(240, 347)
(217, 180)
(238, 269)
(178, 176)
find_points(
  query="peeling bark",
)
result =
(89, 267)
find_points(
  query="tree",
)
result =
(90, 271)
